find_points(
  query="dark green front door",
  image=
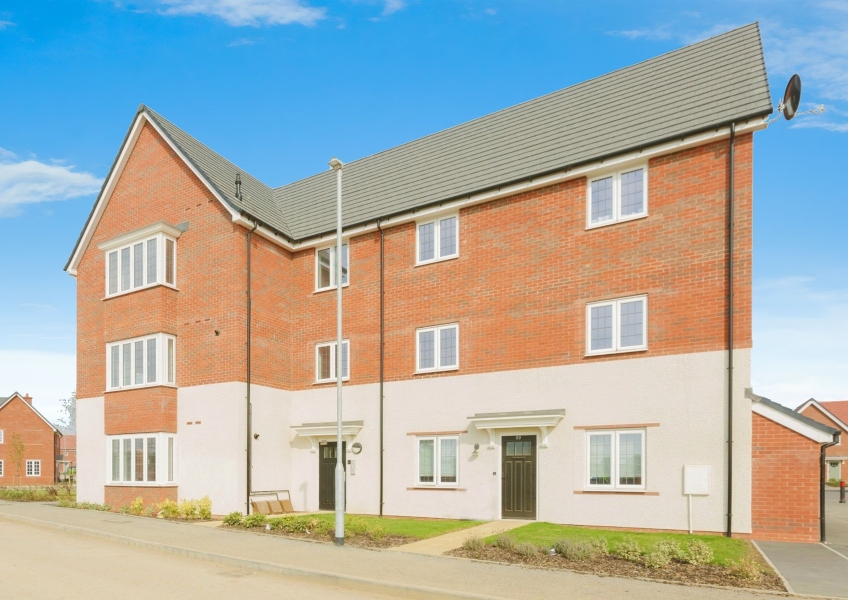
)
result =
(327, 475)
(518, 475)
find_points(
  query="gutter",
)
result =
(382, 351)
(249, 407)
(730, 234)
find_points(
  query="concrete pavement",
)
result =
(436, 546)
(399, 574)
(816, 569)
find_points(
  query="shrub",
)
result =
(124, 510)
(474, 543)
(504, 541)
(255, 520)
(574, 549)
(526, 549)
(672, 548)
(698, 553)
(355, 526)
(658, 558)
(151, 511)
(745, 569)
(599, 546)
(169, 509)
(188, 509)
(137, 506)
(204, 508)
(629, 549)
(92, 506)
(234, 519)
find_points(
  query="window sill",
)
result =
(624, 220)
(329, 289)
(431, 371)
(151, 484)
(620, 492)
(436, 260)
(141, 387)
(140, 289)
(608, 352)
(442, 488)
(328, 381)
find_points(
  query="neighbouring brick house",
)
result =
(833, 414)
(40, 441)
(787, 472)
(67, 457)
(536, 312)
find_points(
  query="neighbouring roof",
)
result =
(694, 89)
(836, 410)
(6, 400)
(786, 416)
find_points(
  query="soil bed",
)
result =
(614, 566)
(359, 541)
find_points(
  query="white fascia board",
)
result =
(589, 170)
(129, 238)
(798, 427)
(815, 403)
(109, 188)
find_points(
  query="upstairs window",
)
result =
(141, 362)
(1, 436)
(437, 240)
(437, 348)
(618, 197)
(617, 325)
(325, 361)
(141, 259)
(325, 267)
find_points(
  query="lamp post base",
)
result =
(339, 541)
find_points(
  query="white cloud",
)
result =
(24, 371)
(243, 42)
(799, 332)
(5, 24)
(248, 12)
(392, 6)
(30, 181)
(662, 32)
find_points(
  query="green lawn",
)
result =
(545, 534)
(416, 528)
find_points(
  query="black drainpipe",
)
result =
(730, 233)
(382, 351)
(822, 532)
(249, 407)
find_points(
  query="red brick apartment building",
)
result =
(536, 312)
(19, 420)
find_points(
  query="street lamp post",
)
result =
(337, 166)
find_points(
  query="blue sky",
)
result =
(281, 86)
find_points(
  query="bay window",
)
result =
(141, 259)
(140, 362)
(142, 458)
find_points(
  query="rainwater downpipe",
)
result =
(249, 406)
(823, 477)
(730, 234)
(382, 350)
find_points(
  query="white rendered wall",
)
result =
(91, 444)
(272, 450)
(211, 450)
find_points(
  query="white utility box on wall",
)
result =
(696, 480)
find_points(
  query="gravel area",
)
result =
(614, 566)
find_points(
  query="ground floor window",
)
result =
(616, 459)
(438, 461)
(142, 458)
(33, 468)
(1, 468)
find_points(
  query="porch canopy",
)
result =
(315, 432)
(544, 420)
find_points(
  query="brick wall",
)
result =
(39, 440)
(120, 496)
(840, 450)
(527, 266)
(785, 495)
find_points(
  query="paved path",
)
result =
(436, 546)
(399, 574)
(816, 569)
(35, 564)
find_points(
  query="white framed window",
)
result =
(617, 325)
(437, 348)
(616, 459)
(618, 196)
(1, 468)
(142, 458)
(438, 461)
(140, 362)
(1, 436)
(325, 361)
(33, 468)
(141, 259)
(437, 239)
(325, 267)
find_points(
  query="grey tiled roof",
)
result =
(797, 416)
(693, 89)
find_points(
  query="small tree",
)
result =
(68, 422)
(16, 454)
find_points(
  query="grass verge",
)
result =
(407, 527)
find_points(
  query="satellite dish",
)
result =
(791, 97)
